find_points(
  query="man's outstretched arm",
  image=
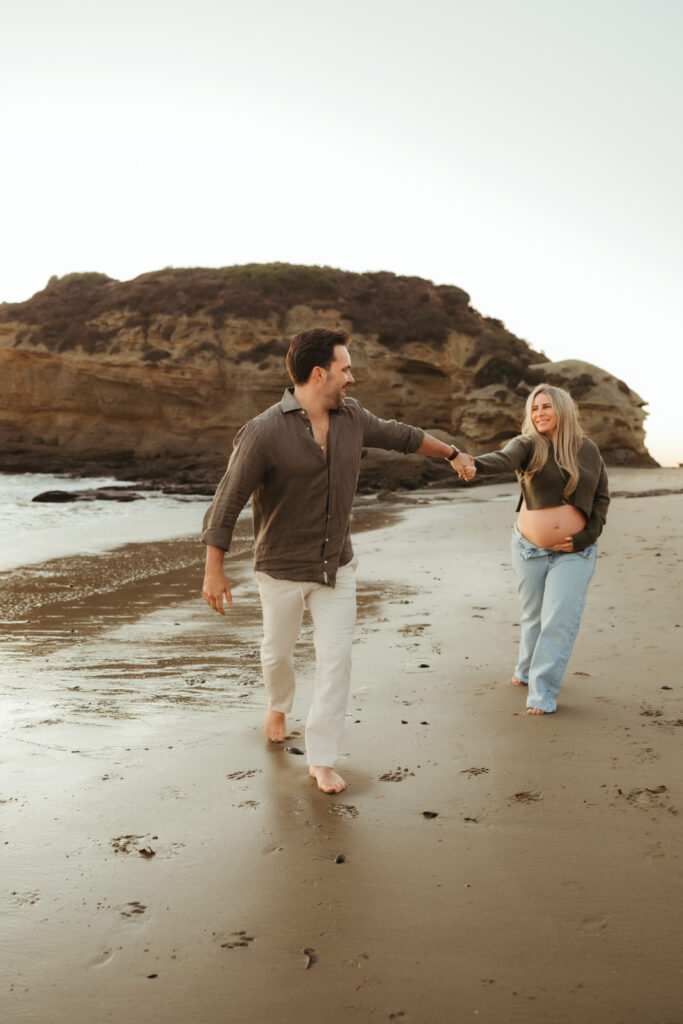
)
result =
(216, 584)
(400, 437)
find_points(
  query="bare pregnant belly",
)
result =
(546, 527)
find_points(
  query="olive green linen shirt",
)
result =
(545, 489)
(301, 501)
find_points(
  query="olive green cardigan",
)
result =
(545, 489)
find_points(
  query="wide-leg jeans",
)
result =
(552, 586)
(333, 611)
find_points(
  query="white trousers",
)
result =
(333, 611)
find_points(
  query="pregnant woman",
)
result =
(561, 513)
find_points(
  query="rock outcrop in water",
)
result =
(151, 378)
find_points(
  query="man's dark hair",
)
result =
(310, 349)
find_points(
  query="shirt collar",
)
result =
(289, 402)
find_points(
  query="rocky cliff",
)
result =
(151, 378)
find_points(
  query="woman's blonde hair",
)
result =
(566, 442)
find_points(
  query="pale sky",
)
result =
(528, 151)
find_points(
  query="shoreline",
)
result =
(142, 730)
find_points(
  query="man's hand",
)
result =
(567, 545)
(464, 466)
(215, 586)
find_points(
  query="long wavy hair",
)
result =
(566, 442)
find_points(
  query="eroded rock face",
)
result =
(152, 378)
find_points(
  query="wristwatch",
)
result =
(454, 454)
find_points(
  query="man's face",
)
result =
(339, 376)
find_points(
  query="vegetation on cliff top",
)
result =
(64, 316)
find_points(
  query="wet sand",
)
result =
(162, 862)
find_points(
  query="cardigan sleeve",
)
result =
(512, 458)
(598, 516)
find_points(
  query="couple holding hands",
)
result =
(298, 462)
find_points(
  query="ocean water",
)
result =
(32, 532)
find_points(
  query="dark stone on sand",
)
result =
(96, 494)
(667, 687)
(430, 814)
(339, 859)
(311, 958)
(293, 750)
(423, 664)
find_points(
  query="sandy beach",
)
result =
(161, 862)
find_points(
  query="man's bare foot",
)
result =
(327, 779)
(534, 711)
(517, 682)
(274, 727)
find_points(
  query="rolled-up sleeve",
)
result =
(390, 434)
(246, 469)
(512, 458)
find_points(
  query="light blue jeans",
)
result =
(552, 586)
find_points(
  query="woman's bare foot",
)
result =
(517, 682)
(534, 711)
(274, 727)
(327, 779)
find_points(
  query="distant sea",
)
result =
(33, 532)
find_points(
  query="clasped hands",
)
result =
(464, 466)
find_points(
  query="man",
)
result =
(299, 462)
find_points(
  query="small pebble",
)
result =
(339, 859)
(293, 750)
(311, 958)
(423, 664)
(430, 814)
(667, 687)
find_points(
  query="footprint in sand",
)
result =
(25, 898)
(649, 798)
(526, 796)
(397, 775)
(594, 925)
(142, 846)
(132, 909)
(246, 774)
(474, 771)
(240, 940)
(101, 958)
(343, 810)
(646, 754)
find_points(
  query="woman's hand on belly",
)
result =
(567, 545)
(551, 528)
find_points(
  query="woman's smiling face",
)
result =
(543, 416)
